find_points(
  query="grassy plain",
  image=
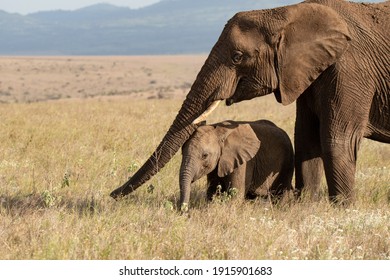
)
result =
(60, 159)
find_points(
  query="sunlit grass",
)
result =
(60, 160)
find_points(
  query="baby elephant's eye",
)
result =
(205, 155)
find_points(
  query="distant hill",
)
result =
(167, 27)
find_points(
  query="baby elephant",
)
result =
(256, 158)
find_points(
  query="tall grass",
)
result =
(60, 160)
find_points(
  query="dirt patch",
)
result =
(32, 79)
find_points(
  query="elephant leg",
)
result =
(339, 155)
(308, 161)
(213, 181)
(237, 182)
(343, 124)
(340, 176)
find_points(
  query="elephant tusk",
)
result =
(207, 112)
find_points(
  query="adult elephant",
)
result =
(331, 56)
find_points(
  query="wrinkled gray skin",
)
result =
(255, 158)
(330, 56)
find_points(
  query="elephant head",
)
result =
(221, 147)
(278, 51)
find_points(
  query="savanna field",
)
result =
(73, 129)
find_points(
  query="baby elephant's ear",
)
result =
(240, 145)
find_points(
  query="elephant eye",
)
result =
(205, 155)
(237, 57)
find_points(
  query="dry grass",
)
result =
(59, 160)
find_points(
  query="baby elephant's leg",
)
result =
(213, 181)
(237, 182)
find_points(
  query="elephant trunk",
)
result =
(197, 102)
(178, 133)
(185, 179)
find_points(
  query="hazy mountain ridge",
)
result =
(167, 27)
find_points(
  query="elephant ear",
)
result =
(239, 145)
(314, 38)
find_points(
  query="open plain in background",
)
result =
(74, 128)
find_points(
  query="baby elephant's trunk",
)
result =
(186, 178)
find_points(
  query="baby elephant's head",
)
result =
(201, 152)
(221, 147)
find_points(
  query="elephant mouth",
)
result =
(229, 102)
